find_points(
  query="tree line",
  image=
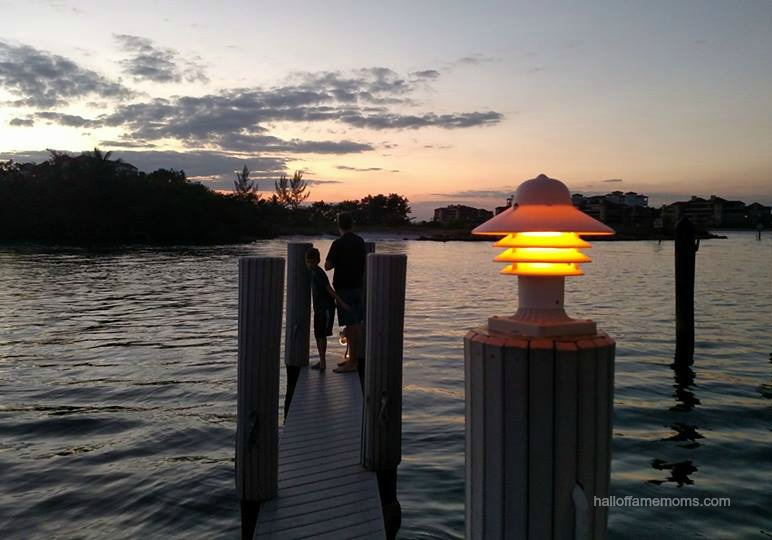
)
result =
(92, 198)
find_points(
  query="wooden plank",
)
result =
(475, 521)
(323, 491)
(603, 397)
(587, 420)
(540, 439)
(515, 381)
(493, 461)
(566, 368)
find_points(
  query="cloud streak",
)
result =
(357, 169)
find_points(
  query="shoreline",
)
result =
(406, 233)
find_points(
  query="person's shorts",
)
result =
(353, 299)
(323, 321)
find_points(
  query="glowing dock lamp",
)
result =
(541, 233)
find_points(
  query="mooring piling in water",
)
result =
(382, 430)
(686, 246)
(297, 334)
(261, 297)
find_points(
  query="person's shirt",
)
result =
(347, 256)
(319, 289)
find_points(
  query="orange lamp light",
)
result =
(542, 239)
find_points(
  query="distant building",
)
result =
(630, 198)
(717, 212)
(630, 210)
(500, 209)
(459, 213)
(617, 208)
(758, 213)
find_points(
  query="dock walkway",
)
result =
(323, 492)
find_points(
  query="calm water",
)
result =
(117, 387)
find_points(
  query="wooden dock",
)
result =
(323, 491)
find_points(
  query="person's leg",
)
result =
(320, 335)
(321, 344)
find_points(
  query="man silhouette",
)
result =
(347, 258)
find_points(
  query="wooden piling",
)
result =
(297, 336)
(297, 333)
(382, 429)
(369, 248)
(261, 296)
(686, 246)
(538, 434)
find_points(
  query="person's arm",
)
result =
(338, 299)
(329, 262)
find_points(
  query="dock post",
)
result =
(686, 246)
(369, 248)
(297, 336)
(382, 429)
(261, 297)
(538, 435)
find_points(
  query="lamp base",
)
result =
(532, 328)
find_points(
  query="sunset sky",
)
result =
(440, 101)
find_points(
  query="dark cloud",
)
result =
(238, 120)
(126, 144)
(409, 121)
(320, 182)
(375, 86)
(21, 122)
(69, 120)
(426, 74)
(256, 142)
(613, 180)
(474, 59)
(42, 79)
(149, 62)
(235, 119)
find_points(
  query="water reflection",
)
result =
(686, 433)
(684, 381)
(679, 472)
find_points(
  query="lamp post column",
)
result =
(538, 435)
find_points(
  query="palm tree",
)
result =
(291, 192)
(244, 187)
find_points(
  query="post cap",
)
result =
(543, 204)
